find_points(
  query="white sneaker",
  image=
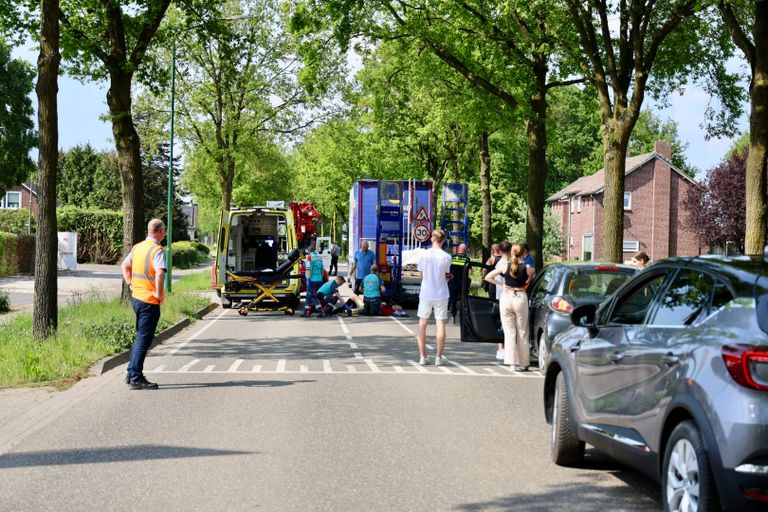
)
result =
(500, 355)
(440, 360)
(422, 360)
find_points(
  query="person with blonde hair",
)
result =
(435, 268)
(513, 304)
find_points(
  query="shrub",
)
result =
(17, 253)
(5, 302)
(202, 248)
(16, 221)
(186, 255)
(99, 233)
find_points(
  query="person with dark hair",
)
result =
(640, 260)
(333, 270)
(528, 260)
(373, 287)
(328, 294)
(314, 274)
(458, 263)
(514, 308)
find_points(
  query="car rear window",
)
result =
(598, 283)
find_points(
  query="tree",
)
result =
(16, 125)
(45, 312)
(717, 208)
(649, 48)
(649, 129)
(748, 24)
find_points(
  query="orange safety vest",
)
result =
(143, 271)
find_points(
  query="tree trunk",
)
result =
(485, 194)
(226, 180)
(536, 130)
(45, 312)
(615, 141)
(129, 160)
(757, 159)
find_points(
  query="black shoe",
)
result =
(127, 379)
(143, 383)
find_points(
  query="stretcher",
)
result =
(269, 296)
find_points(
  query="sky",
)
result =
(82, 106)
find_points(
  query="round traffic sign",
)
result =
(421, 232)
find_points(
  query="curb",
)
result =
(113, 361)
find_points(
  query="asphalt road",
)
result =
(272, 412)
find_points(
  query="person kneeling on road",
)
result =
(373, 287)
(328, 295)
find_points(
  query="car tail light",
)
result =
(561, 305)
(755, 493)
(748, 365)
(607, 268)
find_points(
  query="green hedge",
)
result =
(201, 247)
(187, 255)
(99, 233)
(15, 221)
(17, 254)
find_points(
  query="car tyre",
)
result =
(226, 303)
(567, 450)
(543, 354)
(687, 482)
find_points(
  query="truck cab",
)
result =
(254, 241)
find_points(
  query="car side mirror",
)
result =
(584, 316)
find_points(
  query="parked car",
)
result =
(560, 287)
(670, 376)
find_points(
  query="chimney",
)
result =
(664, 148)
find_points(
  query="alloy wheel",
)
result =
(683, 478)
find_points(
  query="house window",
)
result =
(631, 246)
(12, 201)
(575, 204)
(627, 200)
(586, 248)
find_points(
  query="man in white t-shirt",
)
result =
(435, 268)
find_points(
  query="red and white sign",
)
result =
(421, 232)
(421, 215)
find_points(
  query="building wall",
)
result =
(28, 200)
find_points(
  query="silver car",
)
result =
(670, 376)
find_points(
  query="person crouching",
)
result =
(328, 295)
(373, 287)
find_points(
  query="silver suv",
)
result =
(670, 376)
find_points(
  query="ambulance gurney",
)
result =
(267, 282)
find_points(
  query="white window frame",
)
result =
(627, 200)
(591, 249)
(574, 204)
(631, 246)
(6, 200)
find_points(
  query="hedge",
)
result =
(17, 254)
(187, 254)
(15, 221)
(99, 233)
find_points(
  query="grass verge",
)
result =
(88, 330)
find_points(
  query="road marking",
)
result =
(358, 355)
(161, 367)
(491, 371)
(256, 368)
(189, 365)
(198, 333)
(353, 346)
(303, 368)
(398, 368)
(372, 366)
(445, 369)
(461, 367)
(235, 366)
(401, 324)
(327, 366)
(349, 337)
(209, 368)
(351, 369)
(280, 366)
(510, 370)
(343, 325)
(418, 366)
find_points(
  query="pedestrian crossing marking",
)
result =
(235, 365)
(189, 365)
(209, 368)
(256, 368)
(372, 366)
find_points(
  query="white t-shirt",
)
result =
(433, 265)
(503, 263)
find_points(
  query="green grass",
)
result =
(199, 281)
(88, 330)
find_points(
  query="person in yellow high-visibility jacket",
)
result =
(144, 272)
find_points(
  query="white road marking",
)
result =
(235, 366)
(351, 369)
(198, 333)
(349, 337)
(256, 368)
(372, 366)
(445, 369)
(209, 368)
(189, 365)
(280, 366)
(418, 366)
(353, 346)
(161, 367)
(491, 371)
(303, 368)
(358, 355)
(398, 368)
(327, 366)
(401, 324)
(461, 367)
(343, 325)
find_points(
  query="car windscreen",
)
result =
(595, 284)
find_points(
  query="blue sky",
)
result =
(81, 107)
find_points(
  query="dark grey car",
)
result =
(670, 376)
(560, 287)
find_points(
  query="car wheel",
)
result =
(543, 354)
(686, 479)
(226, 303)
(567, 450)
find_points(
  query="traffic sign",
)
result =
(421, 215)
(421, 232)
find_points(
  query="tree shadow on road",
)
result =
(108, 454)
(235, 384)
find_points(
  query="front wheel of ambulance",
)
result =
(226, 303)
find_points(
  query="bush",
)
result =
(186, 255)
(99, 233)
(5, 302)
(15, 221)
(17, 254)
(202, 248)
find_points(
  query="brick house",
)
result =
(655, 220)
(23, 196)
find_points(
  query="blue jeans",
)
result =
(147, 316)
(311, 298)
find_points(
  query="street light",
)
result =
(169, 226)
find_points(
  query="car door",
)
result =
(479, 313)
(540, 292)
(601, 378)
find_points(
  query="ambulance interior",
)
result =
(257, 242)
